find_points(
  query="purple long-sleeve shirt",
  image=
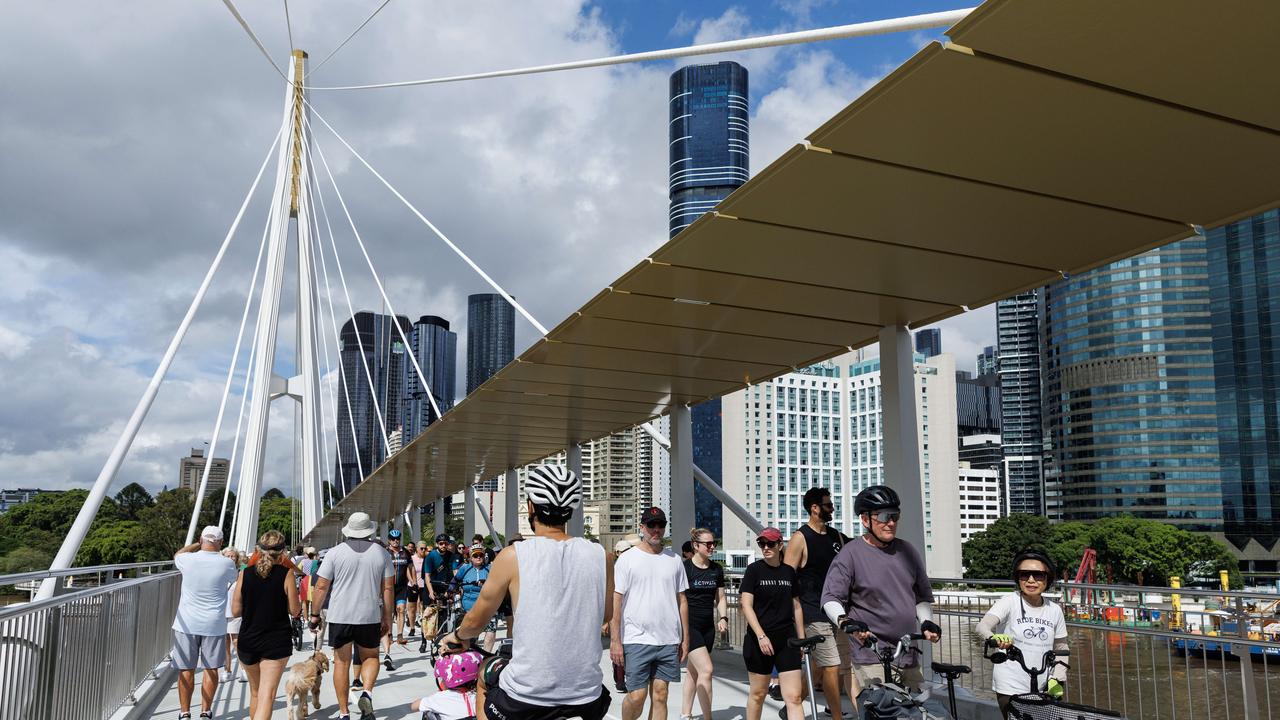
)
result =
(880, 587)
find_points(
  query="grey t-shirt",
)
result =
(880, 587)
(355, 570)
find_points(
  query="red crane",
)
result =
(1085, 574)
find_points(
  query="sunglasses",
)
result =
(767, 543)
(708, 543)
(885, 517)
(1037, 575)
(477, 555)
(656, 524)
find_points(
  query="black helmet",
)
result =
(875, 498)
(1034, 554)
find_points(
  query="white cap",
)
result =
(622, 546)
(359, 525)
(212, 533)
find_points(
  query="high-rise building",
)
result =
(436, 349)
(979, 499)
(988, 361)
(191, 469)
(709, 139)
(1018, 345)
(1244, 302)
(977, 404)
(821, 426)
(1129, 391)
(710, 158)
(929, 342)
(491, 337)
(370, 393)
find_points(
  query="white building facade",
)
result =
(980, 499)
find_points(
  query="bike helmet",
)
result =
(1034, 554)
(876, 498)
(553, 487)
(393, 534)
(454, 671)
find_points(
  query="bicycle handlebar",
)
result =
(1014, 653)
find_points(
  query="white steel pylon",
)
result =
(292, 182)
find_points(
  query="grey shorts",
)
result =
(866, 675)
(198, 652)
(831, 652)
(643, 663)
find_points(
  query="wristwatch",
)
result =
(724, 618)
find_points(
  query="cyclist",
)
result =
(469, 579)
(1026, 619)
(881, 581)
(810, 551)
(440, 565)
(402, 564)
(558, 586)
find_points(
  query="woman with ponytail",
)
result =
(266, 596)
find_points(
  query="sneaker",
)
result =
(344, 717)
(224, 676)
(357, 685)
(843, 715)
(775, 692)
(782, 713)
(366, 706)
(206, 716)
(184, 716)
(386, 663)
(411, 630)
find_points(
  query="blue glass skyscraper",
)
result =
(710, 142)
(360, 434)
(491, 337)
(436, 349)
(1244, 272)
(929, 342)
(1018, 338)
(1129, 403)
(710, 155)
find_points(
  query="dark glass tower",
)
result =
(1018, 344)
(710, 153)
(929, 342)
(436, 349)
(491, 337)
(384, 357)
(710, 143)
(1244, 302)
(1129, 390)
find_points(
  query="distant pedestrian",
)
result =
(233, 623)
(360, 577)
(200, 626)
(650, 632)
(266, 599)
(686, 550)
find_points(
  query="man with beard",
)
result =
(810, 551)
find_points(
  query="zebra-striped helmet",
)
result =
(553, 486)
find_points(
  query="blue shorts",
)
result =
(643, 663)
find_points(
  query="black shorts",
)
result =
(500, 706)
(416, 593)
(402, 593)
(784, 657)
(702, 633)
(366, 636)
(252, 655)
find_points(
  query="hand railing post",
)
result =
(1245, 653)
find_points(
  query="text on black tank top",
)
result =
(821, 550)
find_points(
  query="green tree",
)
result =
(164, 525)
(273, 494)
(25, 559)
(44, 521)
(276, 512)
(120, 541)
(990, 554)
(131, 499)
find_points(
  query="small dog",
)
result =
(427, 620)
(305, 678)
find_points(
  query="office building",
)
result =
(988, 361)
(821, 426)
(436, 349)
(191, 469)
(13, 498)
(1244, 303)
(709, 150)
(491, 337)
(1129, 401)
(929, 342)
(370, 393)
(1018, 345)
(977, 404)
(980, 504)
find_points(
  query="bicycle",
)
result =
(805, 646)
(448, 617)
(891, 698)
(1037, 705)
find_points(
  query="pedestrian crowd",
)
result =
(557, 595)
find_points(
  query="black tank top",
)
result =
(264, 609)
(821, 550)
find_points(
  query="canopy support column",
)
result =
(468, 514)
(573, 458)
(511, 496)
(439, 517)
(682, 497)
(901, 440)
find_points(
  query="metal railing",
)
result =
(82, 654)
(101, 572)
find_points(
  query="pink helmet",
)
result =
(457, 670)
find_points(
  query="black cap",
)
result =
(443, 536)
(651, 515)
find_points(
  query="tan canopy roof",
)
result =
(1050, 138)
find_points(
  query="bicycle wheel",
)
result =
(1043, 707)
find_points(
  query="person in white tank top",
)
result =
(558, 586)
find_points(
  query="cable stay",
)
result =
(343, 44)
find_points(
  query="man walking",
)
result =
(810, 551)
(200, 627)
(650, 629)
(357, 579)
(402, 566)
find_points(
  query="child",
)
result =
(1034, 624)
(456, 675)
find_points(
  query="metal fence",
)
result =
(82, 655)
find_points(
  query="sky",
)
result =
(130, 133)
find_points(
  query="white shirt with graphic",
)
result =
(1034, 630)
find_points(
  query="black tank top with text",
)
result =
(821, 550)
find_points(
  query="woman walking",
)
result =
(266, 597)
(770, 600)
(708, 616)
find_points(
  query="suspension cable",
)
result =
(252, 36)
(344, 42)
(324, 340)
(288, 26)
(862, 29)
(413, 356)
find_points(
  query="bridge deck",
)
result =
(413, 678)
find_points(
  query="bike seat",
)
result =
(806, 642)
(950, 671)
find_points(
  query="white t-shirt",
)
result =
(1034, 630)
(202, 607)
(450, 704)
(355, 570)
(650, 585)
